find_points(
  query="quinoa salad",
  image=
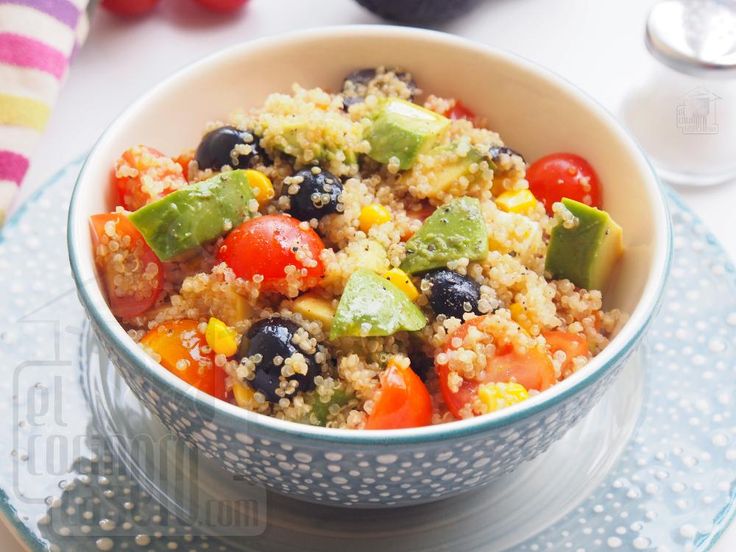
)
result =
(370, 257)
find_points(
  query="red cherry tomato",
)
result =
(223, 6)
(573, 345)
(563, 175)
(143, 174)
(129, 8)
(459, 111)
(267, 246)
(533, 369)
(420, 214)
(141, 285)
(179, 344)
(403, 400)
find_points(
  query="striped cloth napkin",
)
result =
(37, 40)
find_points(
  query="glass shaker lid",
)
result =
(694, 36)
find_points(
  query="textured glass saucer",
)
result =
(651, 468)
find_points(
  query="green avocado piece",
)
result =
(446, 174)
(371, 305)
(453, 231)
(404, 130)
(321, 151)
(321, 409)
(586, 253)
(191, 216)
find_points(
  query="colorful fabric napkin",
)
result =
(37, 40)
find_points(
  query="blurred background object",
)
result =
(684, 115)
(418, 12)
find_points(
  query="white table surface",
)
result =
(595, 44)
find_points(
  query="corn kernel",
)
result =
(520, 316)
(495, 396)
(372, 215)
(243, 394)
(221, 338)
(261, 186)
(313, 307)
(401, 280)
(516, 201)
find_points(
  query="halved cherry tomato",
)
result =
(143, 174)
(141, 284)
(533, 369)
(179, 344)
(223, 6)
(459, 111)
(129, 7)
(268, 245)
(563, 175)
(403, 400)
(573, 345)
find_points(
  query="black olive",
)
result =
(318, 194)
(271, 338)
(419, 12)
(496, 151)
(355, 85)
(421, 364)
(451, 293)
(216, 147)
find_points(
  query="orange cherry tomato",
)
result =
(403, 400)
(183, 160)
(179, 344)
(533, 369)
(573, 345)
(459, 111)
(141, 284)
(143, 174)
(268, 245)
(560, 175)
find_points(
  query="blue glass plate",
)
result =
(651, 468)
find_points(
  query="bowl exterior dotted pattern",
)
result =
(358, 475)
(671, 489)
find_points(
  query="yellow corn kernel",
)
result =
(261, 185)
(373, 214)
(313, 307)
(243, 394)
(520, 316)
(221, 338)
(495, 396)
(401, 280)
(516, 201)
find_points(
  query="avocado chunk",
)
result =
(321, 410)
(453, 231)
(299, 133)
(449, 173)
(586, 252)
(404, 130)
(193, 215)
(373, 306)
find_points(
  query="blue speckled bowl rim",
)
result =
(206, 404)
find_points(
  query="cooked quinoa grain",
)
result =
(335, 271)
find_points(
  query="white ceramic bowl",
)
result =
(536, 113)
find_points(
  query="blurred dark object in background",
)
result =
(418, 12)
